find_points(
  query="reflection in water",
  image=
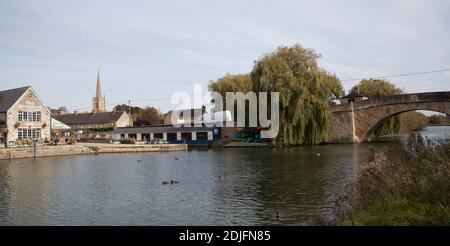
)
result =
(5, 193)
(216, 186)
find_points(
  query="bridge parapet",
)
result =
(405, 98)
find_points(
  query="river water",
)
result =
(216, 186)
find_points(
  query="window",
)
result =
(202, 135)
(36, 133)
(29, 133)
(186, 135)
(37, 116)
(30, 116)
(172, 136)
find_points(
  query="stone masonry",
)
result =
(356, 121)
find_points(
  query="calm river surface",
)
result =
(216, 186)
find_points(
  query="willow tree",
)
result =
(380, 88)
(231, 83)
(306, 92)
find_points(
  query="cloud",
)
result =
(155, 48)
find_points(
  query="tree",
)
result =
(377, 88)
(232, 83)
(125, 108)
(306, 92)
(63, 109)
(134, 110)
(412, 121)
(438, 119)
(142, 116)
(380, 88)
(334, 85)
(149, 116)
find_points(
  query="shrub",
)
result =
(412, 121)
(407, 185)
(438, 119)
(91, 139)
(127, 141)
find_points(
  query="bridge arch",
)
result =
(383, 117)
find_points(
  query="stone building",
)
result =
(23, 115)
(103, 120)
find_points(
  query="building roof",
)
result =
(353, 94)
(159, 129)
(58, 125)
(89, 118)
(9, 97)
(195, 114)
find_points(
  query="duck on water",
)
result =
(170, 182)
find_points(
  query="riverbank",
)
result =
(406, 185)
(85, 149)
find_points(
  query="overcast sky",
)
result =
(151, 49)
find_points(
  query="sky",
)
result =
(148, 50)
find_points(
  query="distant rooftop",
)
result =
(89, 118)
(353, 94)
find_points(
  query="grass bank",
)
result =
(407, 185)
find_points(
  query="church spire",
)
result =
(98, 92)
(98, 102)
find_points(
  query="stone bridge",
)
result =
(356, 121)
